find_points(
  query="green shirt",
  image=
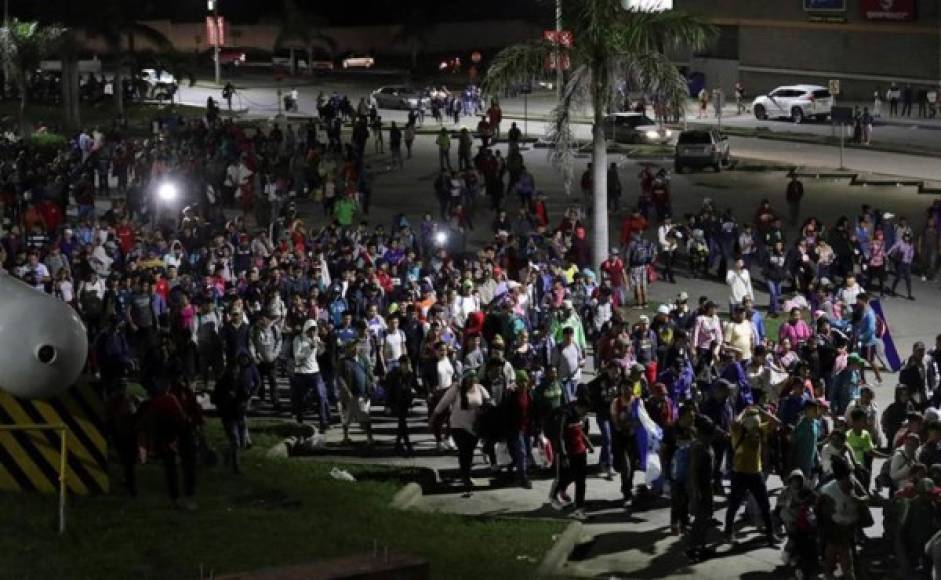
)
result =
(860, 444)
(344, 210)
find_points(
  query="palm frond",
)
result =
(516, 64)
(560, 132)
(642, 30)
(150, 34)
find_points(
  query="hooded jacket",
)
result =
(306, 350)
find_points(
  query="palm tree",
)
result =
(610, 44)
(25, 44)
(116, 23)
(306, 29)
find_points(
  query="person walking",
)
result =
(866, 121)
(464, 403)
(903, 254)
(306, 348)
(573, 457)
(409, 138)
(395, 144)
(699, 488)
(264, 346)
(740, 105)
(892, 95)
(908, 97)
(401, 386)
(356, 382)
(877, 104)
(443, 141)
(748, 438)
(231, 396)
(794, 195)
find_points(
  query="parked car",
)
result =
(160, 84)
(354, 61)
(321, 64)
(399, 98)
(634, 128)
(701, 148)
(796, 102)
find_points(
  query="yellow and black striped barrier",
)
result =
(30, 459)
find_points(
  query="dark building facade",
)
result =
(865, 44)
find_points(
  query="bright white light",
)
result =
(652, 134)
(167, 191)
(441, 238)
(668, 132)
(647, 5)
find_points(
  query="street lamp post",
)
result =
(213, 6)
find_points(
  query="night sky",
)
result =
(337, 12)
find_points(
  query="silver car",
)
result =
(634, 128)
(399, 98)
(701, 148)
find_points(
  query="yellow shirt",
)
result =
(740, 336)
(747, 447)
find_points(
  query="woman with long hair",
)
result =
(464, 402)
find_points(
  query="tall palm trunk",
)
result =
(599, 154)
(70, 96)
(293, 63)
(599, 160)
(310, 59)
(24, 127)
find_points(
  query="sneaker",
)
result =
(579, 515)
(450, 444)
(557, 504)
(566, 499)
(609, 474)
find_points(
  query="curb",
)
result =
(406, 497)
(555, 559)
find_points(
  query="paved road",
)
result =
(262, 102)
(636, 545)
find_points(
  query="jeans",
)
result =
(236, 432)
(186, 455)
(903, 271)
(604, 426)
(742, 484)
(267, 372)
(518, 445)
(301, 387)
(444, 158)
(466, 443)
(624, 462)
(774, 289)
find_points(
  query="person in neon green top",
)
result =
(568, 318)
(859, 440)
(344, 210)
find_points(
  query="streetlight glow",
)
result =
(167, 191)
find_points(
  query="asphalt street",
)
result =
(636, 544)
(262, 102)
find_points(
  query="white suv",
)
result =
(796, 102)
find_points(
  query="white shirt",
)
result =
(393, 345)
(463, 418)
(65, 290)
(740, 287)
(845, 511)
(445, 371)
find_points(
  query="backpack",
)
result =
(679, 465)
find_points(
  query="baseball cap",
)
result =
(682, 297)
(644, 319)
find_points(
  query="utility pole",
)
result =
(559, 73)
(213, 6)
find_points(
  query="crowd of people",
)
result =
(200, 265)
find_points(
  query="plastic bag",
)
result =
(502, 453)
(543, 453)
(654, 470)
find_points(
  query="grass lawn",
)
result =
(278, 512)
